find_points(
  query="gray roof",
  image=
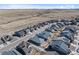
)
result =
(44, 35)
(66, 40)
(37, 39)
(11, 52)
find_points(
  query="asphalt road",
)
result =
(12, 45)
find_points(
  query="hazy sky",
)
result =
(39, 6)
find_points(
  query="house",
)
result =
(44, 35)
(11, 52)
(60, 47)
(36, 40)
(68, 35)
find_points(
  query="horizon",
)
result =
(39, 6)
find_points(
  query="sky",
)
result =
(39, 6)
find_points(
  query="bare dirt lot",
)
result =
(13, 20)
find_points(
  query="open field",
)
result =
(13, 20)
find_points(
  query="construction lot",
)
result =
(13, 20)
(39, 32)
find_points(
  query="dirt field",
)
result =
(13, 20)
